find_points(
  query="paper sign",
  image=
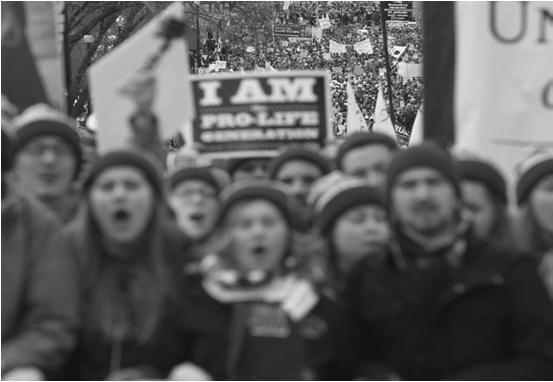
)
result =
(250, 49)
(504, 80)
(173, 100)
(253, 114)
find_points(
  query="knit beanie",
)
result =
(485, 173)
(360, 139)
(423, 155)
(338, 199)
(40, 120)
(299, 153)
(234, 163)
(149, 167)
(271, 191)
(532, 170)
(193, 173)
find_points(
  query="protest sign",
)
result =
(398, 11)
(109, 75)
(250, 49)
(254, 114)
(503, 94)
(335, 47)
(317, 33)
(324, 22)
(221, 64)
(292, 31)
(364, 47)
(358, 70)
(397, 51)
(408, 71)
(327, 56)
(300, 39)
(303, 53)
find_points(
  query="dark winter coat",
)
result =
(258, 341)
(39, 300)
(490, 318)
(98, 355)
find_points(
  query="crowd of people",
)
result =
(374, 263)
(363, 70)
(359, 260)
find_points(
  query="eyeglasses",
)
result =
(38, 149)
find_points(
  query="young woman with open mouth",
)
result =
(127, 252)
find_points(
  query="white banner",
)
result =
(408, 71)
(250, 49)
(335, 47)
(363, 47)
(504, 79)
(355, 119)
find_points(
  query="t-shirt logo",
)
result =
(268, 321)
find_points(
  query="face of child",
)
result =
(122, 202)
(259, 235)
(359, 232)
(478, 202)
(541, 203)
(196, 207)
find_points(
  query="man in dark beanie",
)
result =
(39, 286)
(366, 155)
(47, 158)
(447, 305)
(299, 167)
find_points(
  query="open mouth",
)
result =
(259, 250)
(197, 217)
(121, 215)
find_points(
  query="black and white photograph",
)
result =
(277, 190)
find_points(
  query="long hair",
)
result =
(123, 299)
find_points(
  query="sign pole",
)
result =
(387, 60)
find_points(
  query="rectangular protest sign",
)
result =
(363, 47)
(398, 11)
(253, 114)
(108, 77)
(291, 31)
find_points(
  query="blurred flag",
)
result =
(268, 67)
(416, 136)
(355, 119)
(397, 51)
(382, 122)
